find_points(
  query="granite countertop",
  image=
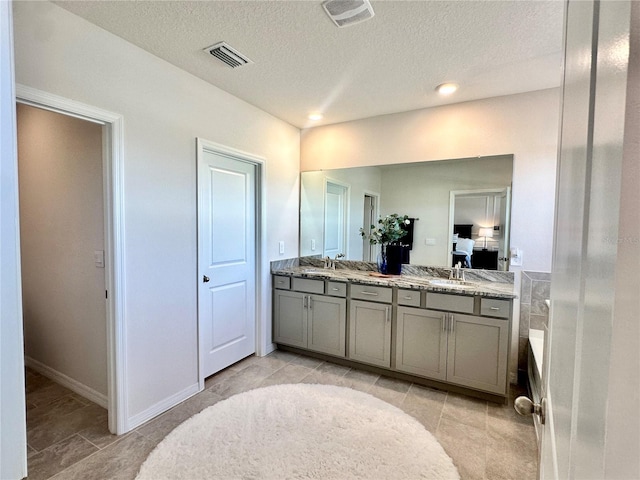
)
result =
(474, 287)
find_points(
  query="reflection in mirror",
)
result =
(479, 222)
(420, 190)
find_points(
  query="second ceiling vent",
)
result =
(228, 55)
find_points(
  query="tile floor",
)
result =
(68, 438)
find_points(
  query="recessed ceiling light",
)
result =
(446, 88)
(315, 116)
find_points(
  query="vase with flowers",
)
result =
(387, 233)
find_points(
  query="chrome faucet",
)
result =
(457, 273)
(328, 263)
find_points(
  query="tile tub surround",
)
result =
(534, 313)
(490, 284)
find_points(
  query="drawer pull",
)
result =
(494, 308)
(373, 294)
(280, 281)
(335, 289)
(407, 297)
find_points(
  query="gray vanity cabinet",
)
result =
(421, 342)
(290, 318)
(327, 325)
(478, 350)
(370, 332)
(468, 350)
(311, 321)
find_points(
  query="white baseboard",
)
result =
(270, 348)
(68, 382)
(162, 406)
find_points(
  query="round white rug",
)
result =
(299, 431)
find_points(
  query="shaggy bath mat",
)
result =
(299, 431)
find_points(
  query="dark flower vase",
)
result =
(394, 259)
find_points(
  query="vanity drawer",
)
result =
(337, 289)
(494, 308)
(371, 293)
(281, 282)
(451, 303)
(307, 285)
(410, 298)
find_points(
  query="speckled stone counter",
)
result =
(482, 283)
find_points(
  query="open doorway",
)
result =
(62, 237)
(63, 248)
(111, 145)
(370, 216)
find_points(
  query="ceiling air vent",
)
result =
(348, 12)
(228, 55)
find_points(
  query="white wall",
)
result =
(61, 225)
(164, 110)
(422, 191)
(525, 125)
(13, 435)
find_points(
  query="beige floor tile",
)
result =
(358, 380)
(308, 362)
(395, 384)
(59, 456)
(466, 445)
(287, 374)
(465, 410)
(59, 407)
(485, 440)
(119, 461)
(425, 404)
(333, 369)
(99, 435)
(59, 428)
(47, 394)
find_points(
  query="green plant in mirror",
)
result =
(390, 229)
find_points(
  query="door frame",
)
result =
(452, 212)
(203, 146)
(376, 214)
(113, 198)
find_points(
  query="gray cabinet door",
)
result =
(290, 318)
(478, 352)
(421, 342)
(370, 333)
(327, 325)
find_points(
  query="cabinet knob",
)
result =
(205, 279)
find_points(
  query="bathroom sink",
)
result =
(312, 271)
(451, 283)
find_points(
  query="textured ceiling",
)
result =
(303, 63)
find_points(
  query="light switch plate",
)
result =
(281, 247)
(98, 258)
(430, 241)
(313, 244)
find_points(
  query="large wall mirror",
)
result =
(470, 197)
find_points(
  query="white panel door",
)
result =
(227, 260)
(335, 219)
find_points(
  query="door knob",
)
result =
(525, 407)
(205, 279)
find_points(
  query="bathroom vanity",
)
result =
(425, 328)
